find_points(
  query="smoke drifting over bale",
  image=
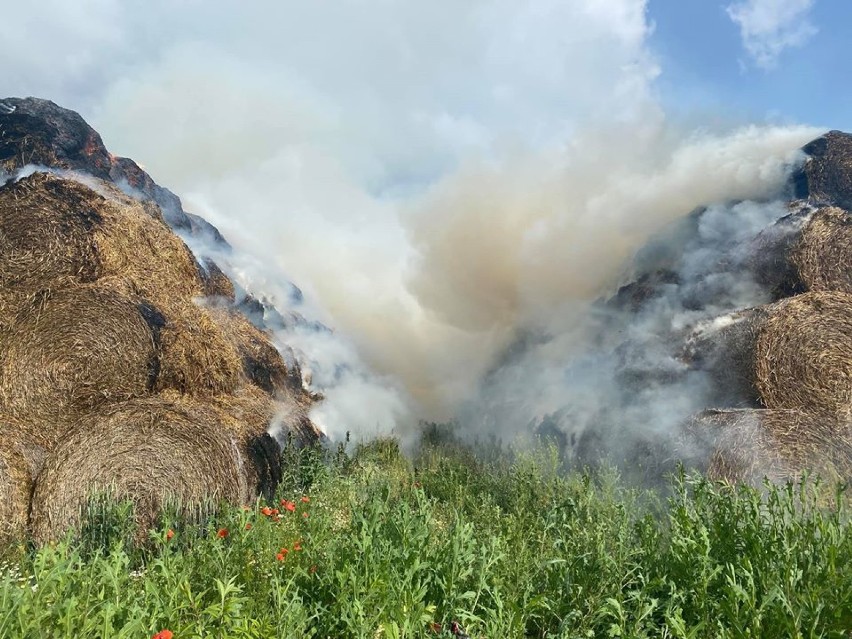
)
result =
(463, 224)
(748, 445)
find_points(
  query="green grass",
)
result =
(392, 547)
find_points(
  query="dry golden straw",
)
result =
(151, 451)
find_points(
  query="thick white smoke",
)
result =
(438, 177)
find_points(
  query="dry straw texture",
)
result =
(804, 354)
(748, 445)
(823, 255)
(152, 451)
(24, 447)
(72, 349)
(195, 356)
(262, 363)
(216, 283)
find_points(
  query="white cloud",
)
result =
(767, 27)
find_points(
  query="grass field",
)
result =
(377, 545)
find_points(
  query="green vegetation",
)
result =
(380, 546)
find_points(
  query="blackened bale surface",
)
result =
(826, 177)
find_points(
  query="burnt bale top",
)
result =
(826, 176)
(39, 132)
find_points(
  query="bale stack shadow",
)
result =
(125, 365)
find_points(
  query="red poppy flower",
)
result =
(163, 634)
(284, 551)
(289, 505)
(248, 526)
(222, 533)
(169, 534)
(306, 499)
(275, 511)
(266, 510)
(280, 556)
(297, 545)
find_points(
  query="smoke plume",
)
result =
(453, 186)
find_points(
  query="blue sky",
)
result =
(706, 68)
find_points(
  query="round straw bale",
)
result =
(151, 451)
(195, 356)
(262, 363)
(53, 227)
(804, 353)
(72, 349)
(823, 255)
(748, 445)
(46, 227)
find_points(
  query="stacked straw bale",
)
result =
(151, 451)
(73, 348)
(126, 379)
(804, 354)
(823, 254)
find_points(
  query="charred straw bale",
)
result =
(804, 354)
(152, 451)
(73, 349)
(744, 446)
(805, 251)
(196, 358)
(826, 176)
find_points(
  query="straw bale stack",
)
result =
(152, 451)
